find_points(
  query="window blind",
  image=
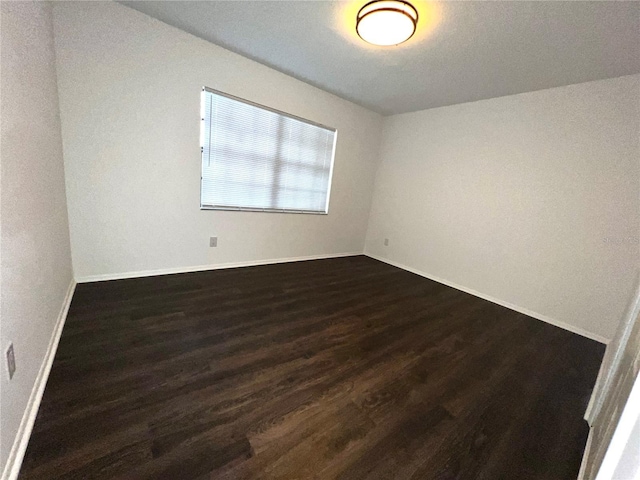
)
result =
(256, 158)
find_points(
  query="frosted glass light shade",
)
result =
(386, 22)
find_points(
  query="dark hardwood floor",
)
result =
(330, 369)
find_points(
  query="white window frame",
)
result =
(204, 206)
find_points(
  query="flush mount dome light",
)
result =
(386, 22)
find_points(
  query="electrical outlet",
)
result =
(213, 241)
(386, 242)
(11, 361)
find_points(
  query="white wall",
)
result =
(129, 96)
(531, 199)
(36, 261)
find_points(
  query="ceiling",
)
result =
(462, 51)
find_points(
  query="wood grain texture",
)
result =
(327, 369)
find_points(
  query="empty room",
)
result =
(320, 240)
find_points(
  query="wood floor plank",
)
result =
(329, 369)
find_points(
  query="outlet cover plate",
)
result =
(11, 361)
(213, 241)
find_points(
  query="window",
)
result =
(258, 159)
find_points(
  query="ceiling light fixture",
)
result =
(386, 22)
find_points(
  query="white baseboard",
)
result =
(538, 316)
(202, 268)
(16, 455)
